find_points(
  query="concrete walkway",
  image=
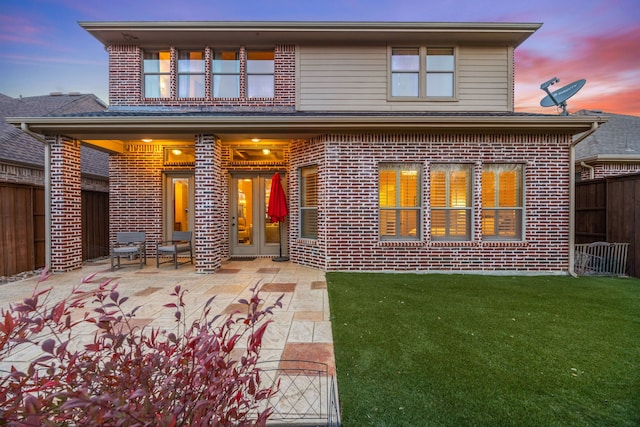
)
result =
(301, 329)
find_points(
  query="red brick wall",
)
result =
(211, 206)
(66, 205)
(348, 239)
(125, 73)
(304, 251)
(125, 81)
(135, 192)
(604, 170)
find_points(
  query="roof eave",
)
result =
(176, 32)
(201, 124)
(610, 158)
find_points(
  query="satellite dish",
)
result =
(560, 96)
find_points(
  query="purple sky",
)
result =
(42, 48)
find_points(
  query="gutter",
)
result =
(47, 190)
(591, 169)
(572, 196)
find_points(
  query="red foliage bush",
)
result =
(128, 375)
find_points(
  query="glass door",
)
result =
(251, 231)
(179, 203)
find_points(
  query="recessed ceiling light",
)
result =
(147, 140)
(255, 140)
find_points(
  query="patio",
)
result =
(301, 330)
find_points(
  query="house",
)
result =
(614, 149)
(22, 183)
(397, 144)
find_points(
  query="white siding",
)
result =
(355, 79)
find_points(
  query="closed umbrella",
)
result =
(277, 209)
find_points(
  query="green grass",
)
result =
(452, 350)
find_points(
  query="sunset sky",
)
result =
(43, 49)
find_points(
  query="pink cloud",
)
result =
(15, 29)
(608, 61)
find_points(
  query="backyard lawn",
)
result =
(452, 350)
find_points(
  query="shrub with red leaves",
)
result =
(127, 375)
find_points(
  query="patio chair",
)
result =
(129, 245)
(180, 243)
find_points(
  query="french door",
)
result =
(251, 231)
(179, 203)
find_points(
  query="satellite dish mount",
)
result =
(560, 96)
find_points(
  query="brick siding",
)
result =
(135, 192)
(211, 206)
(126, 89)
(348, 201)
(348, 232)
(66, 220)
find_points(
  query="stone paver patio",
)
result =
(301, 329)
(300, 332)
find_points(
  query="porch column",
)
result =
(210, 200)
(66, 204)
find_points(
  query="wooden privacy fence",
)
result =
(608, 210)
(22, 227)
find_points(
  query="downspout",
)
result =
(47, 191)
(572, 197)
(591, 169)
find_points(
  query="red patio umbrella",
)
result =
(277, 208)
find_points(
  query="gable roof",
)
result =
(617, 140)
(19, 148)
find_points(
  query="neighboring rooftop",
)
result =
(17, 147)
(618, 138)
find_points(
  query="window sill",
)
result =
(308, 242)
(505, 243)
(401, 243)
(454, 243)
(421, 99)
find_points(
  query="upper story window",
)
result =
(226, 74)
(400, 201)
(439, 67)
(451, 201)
(405, 72)
(157, 74)
(191, 74)
(260, 74)
(502, 207)
(422, 72)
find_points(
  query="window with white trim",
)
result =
(502, 207)
(451, 201)
(309, 187)
(400, 201)
(156, 67)
(191, 74)
(422, 72)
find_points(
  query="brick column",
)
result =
(210, 217)
(66, 205)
